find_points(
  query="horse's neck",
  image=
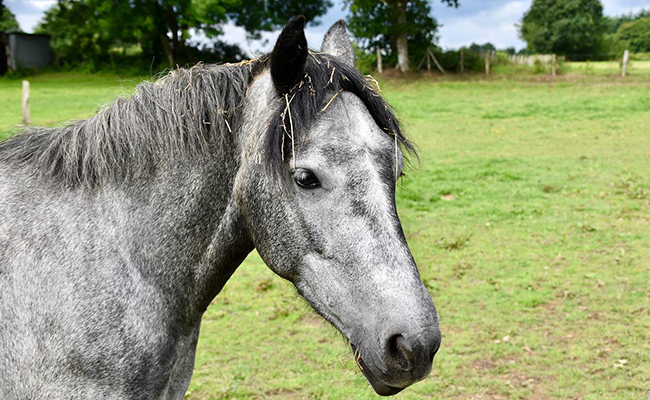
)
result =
(187, 230)
(180, 229)
(230, 242)
(190, 205)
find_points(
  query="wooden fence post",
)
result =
(435, 60)
(462, 61)
(379, 66)
(428, 61)
(554, 67)
(487, 63)
(626, 58)
(25, 103)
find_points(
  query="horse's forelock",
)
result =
(325, 78)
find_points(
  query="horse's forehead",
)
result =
(346, 131)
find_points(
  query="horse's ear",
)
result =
(337, 43)
(289, 56)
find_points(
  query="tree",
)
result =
(614, 23)
(482, 48)
(635, 34)
(8, 21)
(566, 27)
(75, 32)
(394, 24)
(163, 27)
(266, 15)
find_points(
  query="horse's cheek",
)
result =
(267, 223)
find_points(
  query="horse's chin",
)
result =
(377, 384)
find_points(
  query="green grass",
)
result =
(528, 216)
(608, 67)
(572, 70)
(57, 98)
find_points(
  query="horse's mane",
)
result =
(189, 111)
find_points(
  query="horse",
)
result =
(118, 231)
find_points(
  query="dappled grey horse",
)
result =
(116, 232)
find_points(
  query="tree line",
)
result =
(578, 29)
(87, 31)
(153, 33)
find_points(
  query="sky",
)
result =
(478, 21)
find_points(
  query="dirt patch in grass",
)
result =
(483, 364)
(283, 394)
(312, 320)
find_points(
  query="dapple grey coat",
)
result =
(117, 232)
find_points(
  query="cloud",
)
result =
(494, 21)
(28, 12)
(618, 7)
(237, 35)
(43, 4)
(496, 25)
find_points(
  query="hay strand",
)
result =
(293, 143)
(331, 100)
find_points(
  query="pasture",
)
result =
(528, 214)
(607, 67)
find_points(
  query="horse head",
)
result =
(317, 193)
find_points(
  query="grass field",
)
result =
(528, 216)
(607, 67)
(56, 98)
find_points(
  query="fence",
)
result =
(465, 60)
(530, 60)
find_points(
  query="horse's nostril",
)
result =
(400, 352)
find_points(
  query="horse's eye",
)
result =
(306, 179)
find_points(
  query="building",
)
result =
(22, 50)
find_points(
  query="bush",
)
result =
(636, 34)
(540, 67)
(20, 73)
(450, 60)
(640, 57)
(365, 61)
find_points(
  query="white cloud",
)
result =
(42, 4)
(28, 12)
(618, 7)
(28, 22)
(237, 35)
(496, 26)
(497, 23)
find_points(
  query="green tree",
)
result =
(395, 25)
(8, 21)
(614, 23)
(566, 27)
(160, 27)
(163, 27)
(257, 16)
(75, 32)
(482, 48)
(636, 35)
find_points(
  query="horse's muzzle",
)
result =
(406, 358)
